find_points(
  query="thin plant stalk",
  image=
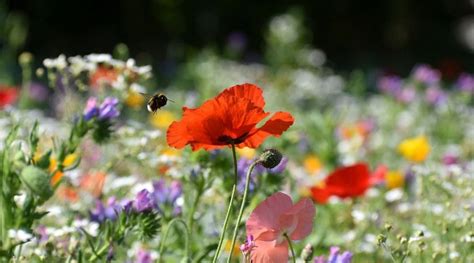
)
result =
(242, 207)
(229, 208)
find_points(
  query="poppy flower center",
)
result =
(229, 140)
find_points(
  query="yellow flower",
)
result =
(312, 164)
(415, 149)
(69, 160)
(394, 179)
(170, 152)
(228, 243)
(246, 152)
(162, 119)
(134, 100)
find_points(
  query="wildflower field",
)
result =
(284, 160)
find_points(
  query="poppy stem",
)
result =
(229, 208)
(242, 206)
(291, 248)
(234, 156)
(186, 238)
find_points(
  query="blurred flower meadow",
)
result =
(284, 160)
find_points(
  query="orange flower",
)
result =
(93, 183)
(229, 118)
(103, 75)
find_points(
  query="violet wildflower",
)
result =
(465, 82)
(167, 195)
(406, 95)
(144, 201)
(108, 109)
(335, 256)
(143, 256)
(450, 159)
(43, 234)
(390, 84)
(103, 212)
(248, 245)
(426, 74)
(435, 95)
(91, 110)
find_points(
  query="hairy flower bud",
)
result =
(270, 158)
(307, 253)
(38, 181)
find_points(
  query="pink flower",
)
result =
(272, 220)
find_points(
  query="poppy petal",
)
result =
(320, 195)
(266, 214)
(304, 211)
(268, 252)
(275, 126)
(177, 135)
(248, 91)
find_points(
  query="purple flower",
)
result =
(465, 82)
(248, 245)
(406, 95)
(144, 201)
(103, 212)
(43, 235)
(426, 74)
(435, 95)
(38, 92)
(335, 256)
(167, 194)
(390, 84)
(143, 256)
(91, 109)
(450, 159)
(108, 109)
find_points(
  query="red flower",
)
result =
(8, 95)
(103, 75)
(229, 118)
(344, 182)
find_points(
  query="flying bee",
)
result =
(156, 102)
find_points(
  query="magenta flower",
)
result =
(273, 220)
(465, 82)
(426, 74)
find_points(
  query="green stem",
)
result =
(193, 209)
(291, 248)
(242, 207)
(234, 157)
(229, 208)
(165, 236)
(224, 227)
(100, 252)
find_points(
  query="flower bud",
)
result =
(307, 253)
(25, 58)
(38, 181)
(270, 158)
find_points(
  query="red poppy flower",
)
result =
(8, 95)
(344, 182)
(230, 118)
(103, 75)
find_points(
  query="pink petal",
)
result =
(304, 211)
(267, 252)
(266, 214)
